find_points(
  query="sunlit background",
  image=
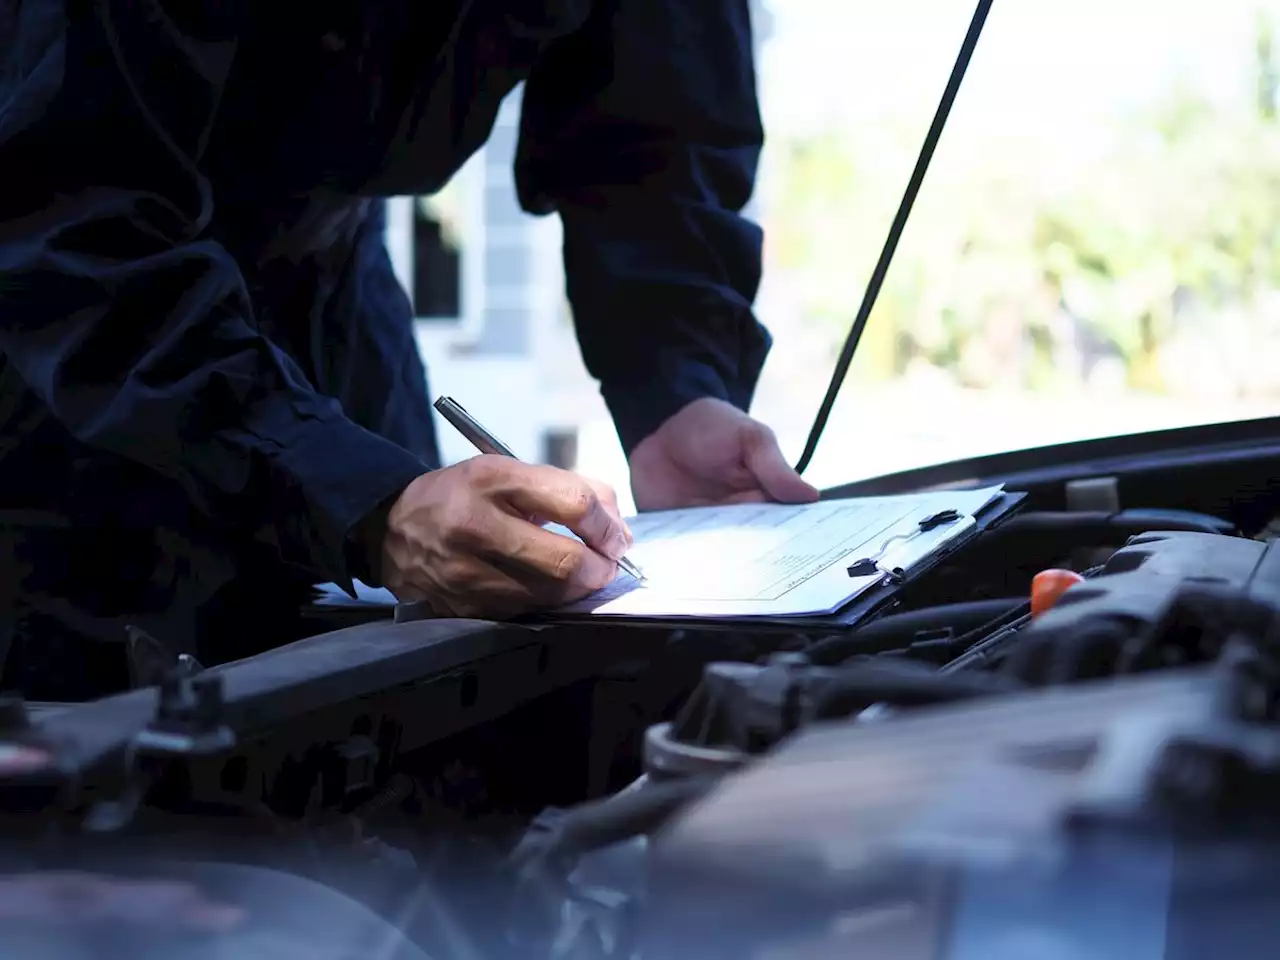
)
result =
(1096, 249)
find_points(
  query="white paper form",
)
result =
(774, 559)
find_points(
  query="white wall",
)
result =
(495, 380)
(500, 392)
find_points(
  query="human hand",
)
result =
(467, 539)
(711, 452)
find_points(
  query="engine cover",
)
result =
(958, 833)
(1018, 826)
(1139, 580)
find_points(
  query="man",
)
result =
(210, 394)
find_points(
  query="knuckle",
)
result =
(760, 433)
(568, 562)
(481, 469)
(493, 465)
(581, 503)
(607, 494)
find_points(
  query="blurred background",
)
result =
(1095, 251)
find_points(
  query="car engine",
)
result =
(1068, 722)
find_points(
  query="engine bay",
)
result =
(594, 791)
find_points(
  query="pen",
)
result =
(486, 442)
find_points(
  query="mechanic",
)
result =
(210, 394)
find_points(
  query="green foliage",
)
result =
(1178, 219)
(1267, 66)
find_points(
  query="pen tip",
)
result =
(632, 570)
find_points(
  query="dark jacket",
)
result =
(207, 368)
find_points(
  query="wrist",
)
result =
(639, 408)
(364, 543)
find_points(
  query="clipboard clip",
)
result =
(869, 566)
(939, 519)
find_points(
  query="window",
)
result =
(437, 255)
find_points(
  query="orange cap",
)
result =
(1048, 585)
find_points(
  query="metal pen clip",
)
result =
(470, 427)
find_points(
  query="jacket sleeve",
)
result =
(643, 131)
(119, 312)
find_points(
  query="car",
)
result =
(1056, 739)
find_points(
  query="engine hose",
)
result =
(601, 823)
(1016, 614)
(1085, 525)
(898, 629)
(988, 650)
(857, 688)
(990, 642)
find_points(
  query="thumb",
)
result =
(770, 468)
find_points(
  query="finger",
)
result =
(569, 500)
(505, 474)
(602, 490)
(552, 567)
(609, 498)
(556, 568)
(610, 501)
(746, 496)
(770, 468)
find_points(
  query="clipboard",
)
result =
(862, 608)
(341, 611)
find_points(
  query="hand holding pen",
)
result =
(486, 442)
(457, 542)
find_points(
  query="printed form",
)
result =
(775, 559)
